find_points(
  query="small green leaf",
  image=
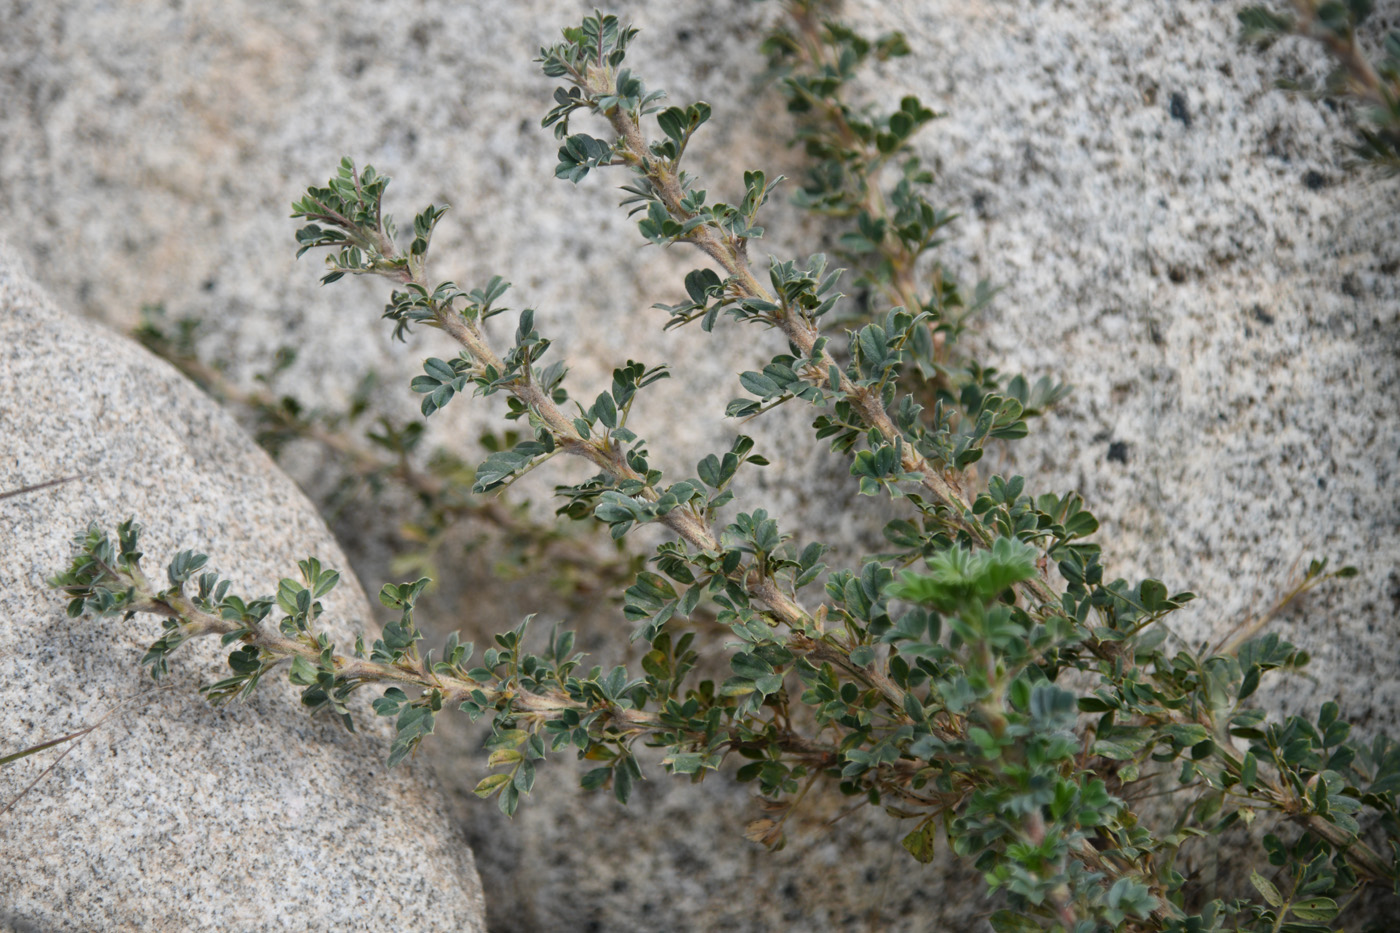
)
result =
(920, 842)
(490, 784)
(606, 410)
(1266, 889)
(303, 672)
(1319, 909)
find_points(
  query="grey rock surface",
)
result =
(172, 815)
(1185, 245)
(1173, 236)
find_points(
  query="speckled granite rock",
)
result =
(1174, 236)
(173, 816)
(1183, 243)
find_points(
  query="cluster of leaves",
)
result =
(982, 679)
(865, 173)
(537, 691)
(369, 454)
(1372, 83)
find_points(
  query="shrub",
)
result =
(981, 677)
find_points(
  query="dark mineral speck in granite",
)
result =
(1179, 109)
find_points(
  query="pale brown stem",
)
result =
(1365, 83)
(730, 254)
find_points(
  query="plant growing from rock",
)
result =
(980, 679)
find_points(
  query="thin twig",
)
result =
(37, 486)
(73, 737)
